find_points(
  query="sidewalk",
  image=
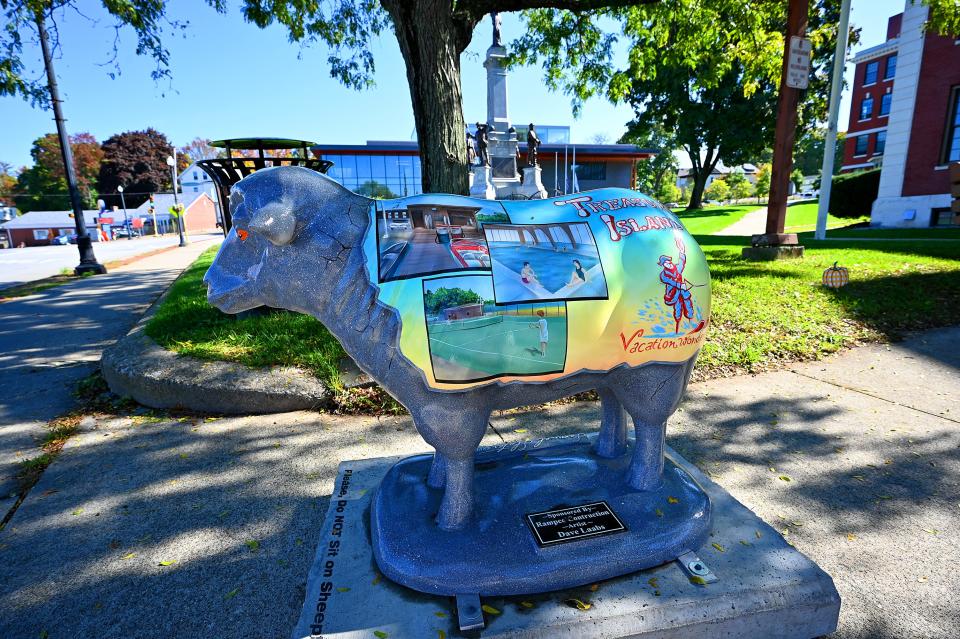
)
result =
(50, 340)
(753, 223)
(207, 527)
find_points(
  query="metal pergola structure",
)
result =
(225, 172)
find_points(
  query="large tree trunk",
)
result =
(431, 40)
(702, 173)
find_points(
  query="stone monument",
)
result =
(500, 177)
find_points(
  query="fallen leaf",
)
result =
(579, 605)
(376, 579)
(442, 615)
(184, 456)
(745, 543)
(343, 589)
(441, 634)
(659, 512)
(656, 593)
(851, 536)
(526, 604)
(672, 500)
(698, 580)
(594, 587)
(718, 547)
(653, 582)
(231, 594)
(380, 634)
(757, 533)
(784, 478)
(167, 562)
(932, 531)
(77, 511)
(252, 544)
(520, 430)
(885, 497)
(489, 609)
(859, 477)
(129, 555)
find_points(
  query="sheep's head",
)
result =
(291, 226)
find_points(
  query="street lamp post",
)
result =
(176, 203)
(88, 261)
(126, 220)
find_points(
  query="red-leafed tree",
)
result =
(136, 160)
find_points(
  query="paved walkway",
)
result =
(18, 266)
(50, 340)
(207, 527)
(753, 223)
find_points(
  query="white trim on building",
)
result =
(891, 208)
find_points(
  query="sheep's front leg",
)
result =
(455, 432)
(612, 439)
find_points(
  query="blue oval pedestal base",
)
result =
(568, 488)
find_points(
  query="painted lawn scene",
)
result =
(545, 262)
(472, 339)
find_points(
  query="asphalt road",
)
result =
(195, 526)
(18, 266)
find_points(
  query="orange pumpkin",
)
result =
(836, 276)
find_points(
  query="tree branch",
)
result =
(483, 7)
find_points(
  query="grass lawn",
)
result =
(185, 323)
(764, 313)
(892, 234)
(803, 217)
(713, 218)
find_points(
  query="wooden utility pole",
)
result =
(784, 138)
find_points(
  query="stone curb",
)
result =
(137, 367)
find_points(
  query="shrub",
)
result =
(852, 194)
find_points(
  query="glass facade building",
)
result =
(386, 175)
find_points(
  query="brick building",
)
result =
(905, 118)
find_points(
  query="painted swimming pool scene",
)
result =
(539, 262)
(473, 339)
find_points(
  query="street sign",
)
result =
(798, 65)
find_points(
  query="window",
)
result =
(866, 109)
(595, 171)
(885, 103)
(951, 138)
(891, 69)
(40, 234)
(870, 75)
(195, 178)
(861, 145)
(880, 143)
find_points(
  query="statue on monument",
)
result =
(482, 140)
(497, 36)
(533, 145)
(471, 149)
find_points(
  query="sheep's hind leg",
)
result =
(438, 471)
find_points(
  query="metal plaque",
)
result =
(570, 524)
(504, 167)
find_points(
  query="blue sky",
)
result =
(279, 89)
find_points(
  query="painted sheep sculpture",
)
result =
(610, 273)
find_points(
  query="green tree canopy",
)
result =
(436, 301)
(713, 38)
(43, 186)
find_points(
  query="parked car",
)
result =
(60, 240)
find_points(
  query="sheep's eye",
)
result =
(242, 234)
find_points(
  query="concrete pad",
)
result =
(766, 588)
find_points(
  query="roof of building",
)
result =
(163, 201)
(890, 46)
(399, 147)
(47, 220)
(720, 169)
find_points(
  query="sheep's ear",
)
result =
(276, 222)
